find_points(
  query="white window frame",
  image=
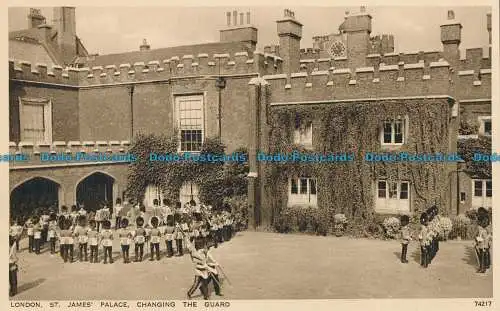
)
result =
(404, 131)
(483, 188)
(482, 120)
(299, 137)
(178, 99)
(307, 198)
(483, 200)
(392, 200)
(47, 117)
(152, 192)
(195, 197)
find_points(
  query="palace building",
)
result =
(351, 92)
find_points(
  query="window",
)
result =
(393, 132)
(393, 196)
(35, 120)
(489, 190)
(303, 133)
(462, 197)
(485, 125)
(190, 122)
(189, 191)
(152, 192)
(478, 188)
(303, 191)
(482, 193)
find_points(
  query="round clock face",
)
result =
(337, 49)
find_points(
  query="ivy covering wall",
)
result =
(349, 187)
(216, 180)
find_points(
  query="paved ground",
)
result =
(268, 266)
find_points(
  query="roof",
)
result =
(166, 53)
(31, 52)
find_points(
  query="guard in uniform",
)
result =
(169, 235)
(201, 273)
(30, 230)
(107, 241)
(424, 240)
(37, 234)
(13, 269)
(82, 238)
(52, 233)
(405, 237)
(155, 234)
(125, 236)
(66, 240)
(139, 239)
(178, 234)
(93, 236)
(482, 242)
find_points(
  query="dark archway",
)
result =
(33, 195)
(94, 190)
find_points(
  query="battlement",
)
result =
(175, 67)
(34, 152)
(386, 80)
(309, 53)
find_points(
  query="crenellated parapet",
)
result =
(416, 79)
(184, 66)
(59, 151)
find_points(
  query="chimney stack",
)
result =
(239, 32)
(65, 24)
(357, 27)
(145, 46)
(35, 18)
(289, 33)
(488, 26)
(451, 34)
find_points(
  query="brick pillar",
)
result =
(253, 201)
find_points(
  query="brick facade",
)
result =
(113, 102)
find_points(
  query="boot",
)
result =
(86, 255)
(152, 255)
(136, 253)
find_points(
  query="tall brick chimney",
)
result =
(488, 26)
(289, 33)
(239, 30)
(65, 24)
(35, 18)
(451, 35)
(357, 28)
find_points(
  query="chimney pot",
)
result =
(235, 18)
(242, 15)
(228, 16)
(248, 18)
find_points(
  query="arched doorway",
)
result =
(33, 195)
(95, 189)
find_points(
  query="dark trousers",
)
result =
(68, 250)
(12, 281)
(214, 237)
(424, 256)
(108, 252)
(170, 249)
(155, 248)
(482, 260)
(488, 258)
(139, 251)
(125, 253)
(404, 251)
(180, 249)
(94, 253)
(52, 245)
(83, 250)
(118, 221)
(37, 243)
(202, 283)
(98, 225)
(219, 235)
(215, 279)
(31, 243)
(45, 233)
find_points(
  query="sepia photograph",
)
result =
(161, 154)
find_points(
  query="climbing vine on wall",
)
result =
(468, 147)
(215, 180)
(349, 187)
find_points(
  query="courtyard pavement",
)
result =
(266, 266)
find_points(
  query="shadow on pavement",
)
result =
(470, 256)
(27, 286)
